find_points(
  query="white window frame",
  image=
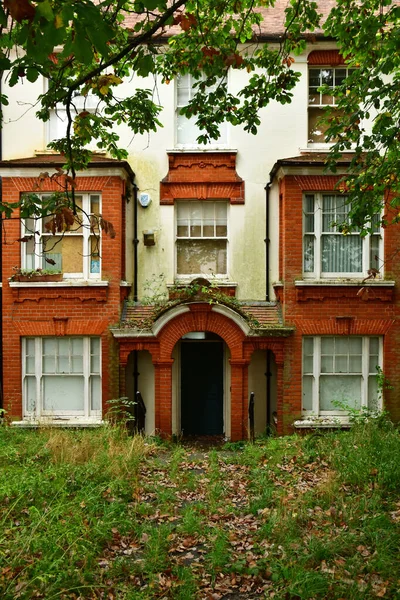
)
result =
(57, 123)
(316, 374)
(39, 411)
(319, 233)
(213, 144)
(84, 233)
(321, 105)
(190, 276)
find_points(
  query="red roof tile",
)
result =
(263, 316)
(310, 159)
(272, 25)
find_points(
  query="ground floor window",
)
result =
(340, 372)
(61, 377)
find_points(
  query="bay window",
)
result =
(61, 377)
(339, 373)
(327, 251)
(201, 238)
(75, 252)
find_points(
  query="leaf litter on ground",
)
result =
(270, 521)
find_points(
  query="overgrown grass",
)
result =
(97, 514)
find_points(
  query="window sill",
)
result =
(333, 289)
(200, 149)
(323, 423)
(187, 280)
(58, 422)
(317, 147)
(223, 286)
(59, 284)
(345, 282)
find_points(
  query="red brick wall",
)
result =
(323, 310)
(75, 310)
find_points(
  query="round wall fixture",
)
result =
(144, 199)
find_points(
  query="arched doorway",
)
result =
(202, 356)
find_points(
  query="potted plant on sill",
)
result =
(36, 275)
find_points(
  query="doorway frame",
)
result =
(176, 390)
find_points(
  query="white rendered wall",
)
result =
(282, 134)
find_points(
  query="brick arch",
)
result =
(201, 317)
(277, 347)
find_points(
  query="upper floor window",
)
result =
(75, 252)
(187, 131)
(201, 238)
(327, 251)
(57, 125)
(317, 101)
(340, 373)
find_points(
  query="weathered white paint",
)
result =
(145, 385)
(283, 131)
(258, 385)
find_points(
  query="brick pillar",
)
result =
(279, 397)
(122, 380)
(163, 396)
(239, 401)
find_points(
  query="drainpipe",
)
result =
(267, 240)
(268, 391)
(267, 299)
(1, 269)
(1, 288)
(135, 287)
(135, 241)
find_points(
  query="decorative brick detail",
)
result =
(325, 57)
(60, 325)
(343, 325)
(83, 184)
(319, 183)
(55, 293)
(202, 176)
(326, 293)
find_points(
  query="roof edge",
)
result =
(301, 162)
(59, 161)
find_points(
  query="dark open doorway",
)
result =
(202, 391)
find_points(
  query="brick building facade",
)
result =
(228, 274)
